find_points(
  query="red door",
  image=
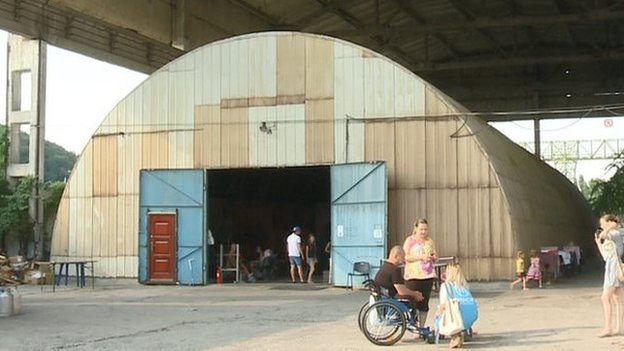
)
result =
(162, 240)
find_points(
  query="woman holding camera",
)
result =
(609, 241)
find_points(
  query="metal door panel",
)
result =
(182, 191)
(359, 194)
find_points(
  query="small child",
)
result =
(534, 272)
(520, 273)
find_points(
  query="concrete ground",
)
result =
(123, 315)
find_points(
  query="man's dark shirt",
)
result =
(387, 276)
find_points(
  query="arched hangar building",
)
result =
(252, 135)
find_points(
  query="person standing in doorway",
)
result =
(295, 254)
(311, 256)
(420, 256)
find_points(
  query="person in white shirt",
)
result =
(295, 254)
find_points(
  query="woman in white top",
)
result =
(455, 284)
(610, 244)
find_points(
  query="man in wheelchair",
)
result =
(390, 278)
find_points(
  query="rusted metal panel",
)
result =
(319, 140)
(409, 94)
(234, 137)
(393, 206)
(124, 223)
(474, 223)
(207, 139)
(129, 162)
(68, 242)
(181, 115)
(235, 69)
(441, 153)
(277, 135)
(96, 227)
(60, 232)
(208, 72)
(348, 103)
(180, 148)
(127, 214)
(410, 153)
(263, 66)
(380, 146)
(441, 149)
(155, 150)
(291, 134)
(80, 182)
(379, 88)
(105, 165)
(411, 204)
(156, 101)
(442, 215)
(83, 237)
(319, 68)
(290, 66)
(500, 225)
(473, 167)
(263, 136)
(104, 228)
(183, 63)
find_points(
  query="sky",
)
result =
(81, 91)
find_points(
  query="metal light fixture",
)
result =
(264, 128)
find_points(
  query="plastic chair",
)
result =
(360, 269)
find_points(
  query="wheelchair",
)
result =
(384, 320)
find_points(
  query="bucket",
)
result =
(6, 303)
(17, 300)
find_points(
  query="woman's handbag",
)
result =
(451, 321)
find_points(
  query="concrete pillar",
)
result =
(180, 40)
(537, 138)
(26, 73)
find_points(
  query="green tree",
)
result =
(57, 162)
(16, 224)
(608, 196)
(15, 221)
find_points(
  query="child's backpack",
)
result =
(467, 305)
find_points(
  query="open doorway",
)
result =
(257, 208)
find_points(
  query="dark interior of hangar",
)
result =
(257, 208)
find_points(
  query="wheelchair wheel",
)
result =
(383, 323)
(361, 315)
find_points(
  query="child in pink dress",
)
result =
(534, 272)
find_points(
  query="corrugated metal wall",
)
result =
(323, 101)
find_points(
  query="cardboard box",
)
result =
(33, 277)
